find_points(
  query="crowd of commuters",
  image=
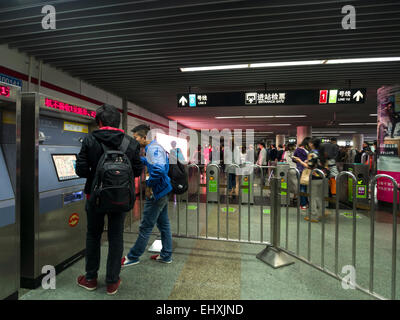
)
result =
(308, 155)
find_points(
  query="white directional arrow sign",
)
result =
(183, 101)
(358, 95)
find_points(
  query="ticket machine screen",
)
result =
(65, 166)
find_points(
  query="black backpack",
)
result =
(178, 175)
(113, 188)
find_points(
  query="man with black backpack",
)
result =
(155, 211)
(109, 160)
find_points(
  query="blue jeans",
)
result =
(154, 212)
(303, 200)
(231, 181)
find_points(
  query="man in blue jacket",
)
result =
(155, 211)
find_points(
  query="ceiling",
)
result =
(135, 48)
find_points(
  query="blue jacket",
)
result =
(157, 164)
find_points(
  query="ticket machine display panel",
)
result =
(65, 165)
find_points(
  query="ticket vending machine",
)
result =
(53, 219)
(10, 108)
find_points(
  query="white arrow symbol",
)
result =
(183, 100)
(358, 95)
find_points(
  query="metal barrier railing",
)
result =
(394, 235)
(275, 250)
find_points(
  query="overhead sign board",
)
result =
(10, 80)
(273, 97)
(62, 106)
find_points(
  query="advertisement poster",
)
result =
(388, 140)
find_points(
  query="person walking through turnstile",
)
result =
(331, 152)
(108, 119)
(158, 186)
(262, 159)
(301, 153)
(292, 177)
(316, 160)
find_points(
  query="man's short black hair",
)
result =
(141, 130)
(108, 115)
(261, 143)
(333, 139)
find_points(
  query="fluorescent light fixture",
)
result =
(363, 60)
(293, 116)
(233, 66)
(285, 64)
(255, 117)
(358, 124)
(291, 63)
(230, 117)
(334, 132)
(373, 115)
(278, 124)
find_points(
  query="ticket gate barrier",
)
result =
(282, 171)
(53, 219)
(212, 180)
(361, 171)
(10, 111)
(247, 181)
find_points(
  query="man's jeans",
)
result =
(154, 212)
(95, 226)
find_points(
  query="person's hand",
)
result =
(295, 158)
(149, 192)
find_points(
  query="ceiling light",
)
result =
(363, 60)
(373, 115)
(285, 64)
(292, 63)
(294, 116)
(254, 117)
(231, 117)
(278, 124)
(233, 66)
(358, 124)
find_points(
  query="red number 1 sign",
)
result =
(323, 96)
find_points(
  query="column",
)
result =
(358, 140)
(302, 132)
(280, 139)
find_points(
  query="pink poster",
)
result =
(388, 140)
(385, 186)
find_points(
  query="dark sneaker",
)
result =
(87, 284)
(157, 257)
(113, 287)
(125, 262)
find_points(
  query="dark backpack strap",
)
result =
(124, 144)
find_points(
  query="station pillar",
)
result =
(358, 140)
(280, 139)
(302, 132)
